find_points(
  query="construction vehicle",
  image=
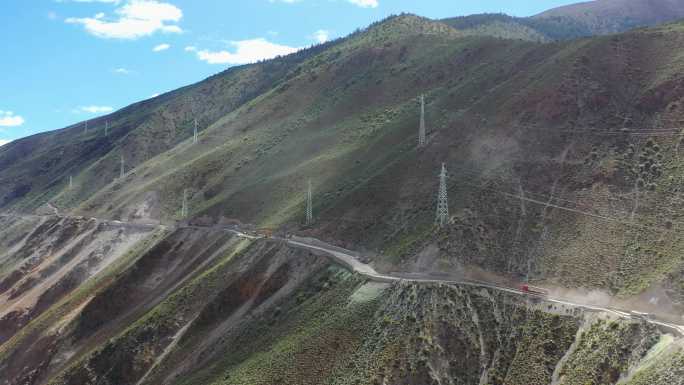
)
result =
(533, 290)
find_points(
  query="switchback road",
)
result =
(349, 260)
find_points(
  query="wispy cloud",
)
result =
(4, 142)
(90, 1)
(365, 3)
(190, 48)
(161, 47)
(9, 119)
(122, 71)
(321, 35)
(246, 51)
(360, 3)
(94, 109)
(137, 18)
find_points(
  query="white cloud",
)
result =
(190, 48)
(321, 36)
(4, 142)
(154, 95)
(365, 3)
(94, 109)
(161, 47)
(284, 1)
(246, 51)
(137, 18)
(8, 119)
(122, 71)
(90, 1)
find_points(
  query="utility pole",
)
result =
(71, 182)
(309, 205)
(123, 170)
(184, 207)
(194, 137)
(421, 130)
(442, 217)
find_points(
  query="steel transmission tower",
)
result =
(442, 217)
(184, 208)
(123, 170)
(309, 205)
(421, 130)
(194, 136)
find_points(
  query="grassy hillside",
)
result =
(564, 158)
(520, 28)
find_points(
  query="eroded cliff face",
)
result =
(44, 259)
(152, 305)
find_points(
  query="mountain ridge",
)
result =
(598, 17)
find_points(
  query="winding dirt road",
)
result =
(351, 262)
(347, 259)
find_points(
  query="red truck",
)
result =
(533, 290)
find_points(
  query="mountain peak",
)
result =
(410, 24)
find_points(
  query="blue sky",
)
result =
(66, 61)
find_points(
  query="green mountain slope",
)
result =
(566, 124)
(565, 169)
(523, 28)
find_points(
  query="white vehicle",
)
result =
(640, 315)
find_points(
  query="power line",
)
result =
(569, 209)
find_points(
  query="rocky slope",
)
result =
(200, 306)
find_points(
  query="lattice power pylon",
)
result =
(442, 217)
(123, 168)
(194, 135)
(421, 129)
(184, 207)
(309, 205)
